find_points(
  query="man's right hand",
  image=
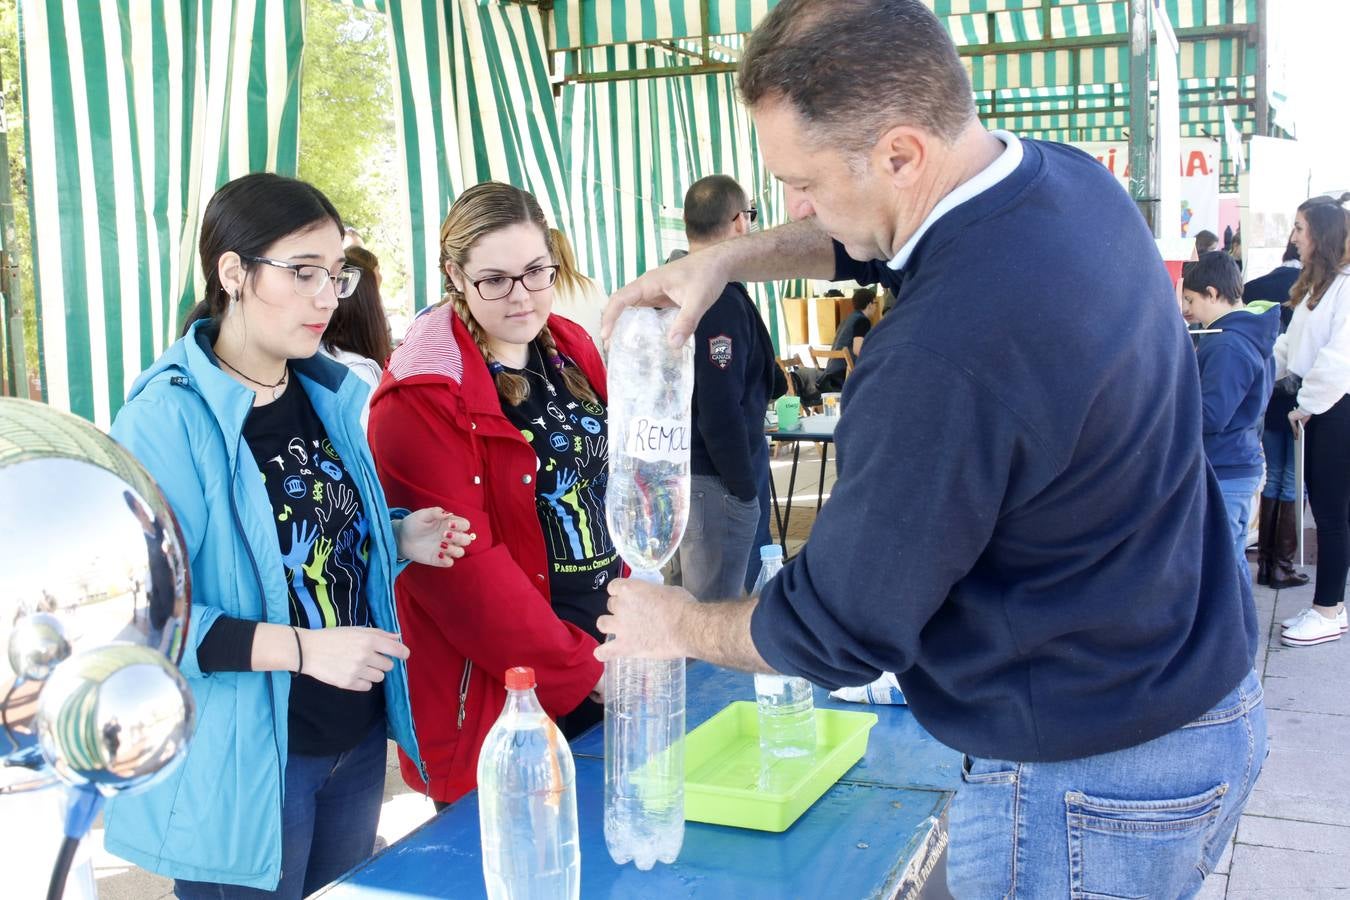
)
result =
(693, 283)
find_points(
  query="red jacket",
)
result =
(440, 438)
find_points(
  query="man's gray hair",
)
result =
(855, 68)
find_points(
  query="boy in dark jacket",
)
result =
(1237, 371)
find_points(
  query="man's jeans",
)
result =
(1237, 501)
(717, 542)
(328, 821)
(1148, 821)
(763, 536)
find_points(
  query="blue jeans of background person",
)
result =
(1237, 502)
(328, 821)
(1148, 821)
(1279, 448)
(717, 540)
(763, 536)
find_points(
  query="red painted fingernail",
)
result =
(440, 555)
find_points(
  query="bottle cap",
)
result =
(520, 678)
(771, 551)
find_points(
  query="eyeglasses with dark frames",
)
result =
(498, 287)
(310, 278)
(750, 214)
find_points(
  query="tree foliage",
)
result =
(348, 141)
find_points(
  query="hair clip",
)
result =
(496, 368)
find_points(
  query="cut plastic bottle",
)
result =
(646, 508)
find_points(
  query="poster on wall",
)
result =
(1199, 180)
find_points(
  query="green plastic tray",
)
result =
(726, 781)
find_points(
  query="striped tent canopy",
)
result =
(606, 109)
(1050, 69)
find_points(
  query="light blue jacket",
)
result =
(217, 817)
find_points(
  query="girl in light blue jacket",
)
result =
(294, 659)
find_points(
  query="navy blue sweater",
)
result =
(1237, 371)
(1047, 564)
(734, 373)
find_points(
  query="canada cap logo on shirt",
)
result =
(719, 351)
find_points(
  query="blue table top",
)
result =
(852, 843)
(900, 753)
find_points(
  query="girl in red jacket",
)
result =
(495, 410)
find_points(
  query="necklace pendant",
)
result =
(277, 391)
(552, 391)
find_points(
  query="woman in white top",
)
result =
(575, 296)
(358, 334)
(1316, 349)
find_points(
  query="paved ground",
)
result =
(1293, 842)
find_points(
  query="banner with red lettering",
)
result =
(1199, 180)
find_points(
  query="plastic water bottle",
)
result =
(646, 508)
(787, 711)
(527, 802)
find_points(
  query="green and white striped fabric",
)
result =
(146, 106)
(136, 112)
(475, 104)
(632, 150)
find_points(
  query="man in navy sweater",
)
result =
(734, 373)
(1048, 568)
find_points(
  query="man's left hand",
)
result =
(646, 620)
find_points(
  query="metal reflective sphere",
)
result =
(36, 645)
(115, 717)
(89, 542)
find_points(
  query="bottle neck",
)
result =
(772, 566)
(523, 701)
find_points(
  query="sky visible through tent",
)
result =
(1307, 41)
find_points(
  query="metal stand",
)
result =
(1298, 491)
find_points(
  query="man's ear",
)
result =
(901, 153)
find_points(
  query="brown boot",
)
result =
(1282, 572)
(1265, 539)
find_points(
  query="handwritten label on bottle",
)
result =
(657, 440)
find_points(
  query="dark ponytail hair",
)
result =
(359, 324)
(248, 215)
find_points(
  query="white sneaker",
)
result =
(1341, 619)
(1311, 628)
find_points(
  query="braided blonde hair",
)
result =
(480, 210)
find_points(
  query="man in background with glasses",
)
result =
(735, 376)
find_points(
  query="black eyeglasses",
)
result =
(750, 214)
(497, 287)
(310, 278)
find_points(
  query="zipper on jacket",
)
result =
(372, 484)
(464, 693)
(262, 600)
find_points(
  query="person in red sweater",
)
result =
(497, 409)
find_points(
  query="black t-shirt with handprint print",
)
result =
(324, 538)
(569, 440)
